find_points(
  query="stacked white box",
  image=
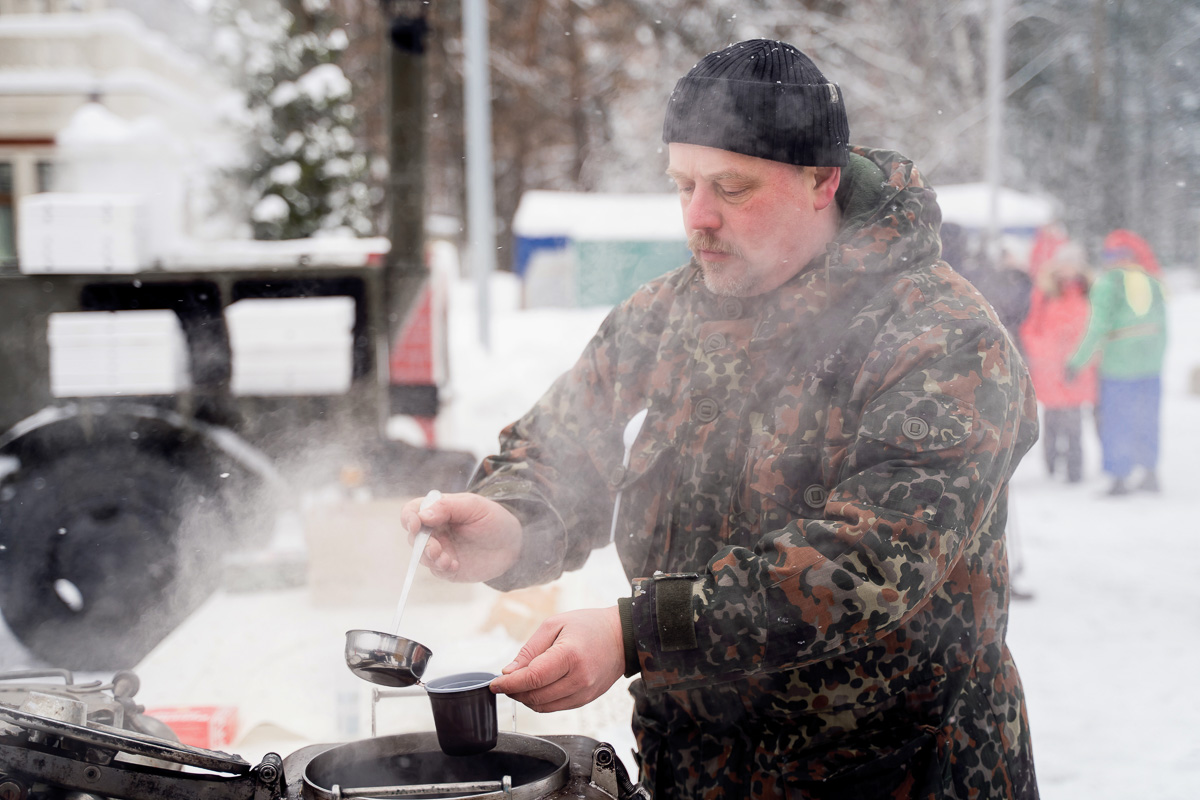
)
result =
(291, 346)
(82, 233)
(109, 353)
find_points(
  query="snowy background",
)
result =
(1104, 644)
(1104, 647)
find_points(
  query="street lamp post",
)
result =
(481, 217)
(995, 127)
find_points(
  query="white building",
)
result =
(100, 96)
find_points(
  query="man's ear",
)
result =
(825, 184)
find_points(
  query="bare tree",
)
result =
(1101, 110)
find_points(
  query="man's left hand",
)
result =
(570, 660)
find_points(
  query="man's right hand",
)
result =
(474, 538)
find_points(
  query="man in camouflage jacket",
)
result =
(812, 514)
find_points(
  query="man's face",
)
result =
(751, 223)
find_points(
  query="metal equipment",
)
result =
(91, 742)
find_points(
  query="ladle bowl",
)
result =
(389, 659)
(386, 659)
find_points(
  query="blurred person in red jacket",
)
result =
(1056, 322)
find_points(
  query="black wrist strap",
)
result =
(625, 610)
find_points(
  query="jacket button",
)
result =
(706, 409)
(816, 495)
(915, 428)
(714, 342)
(617, 475)
(731, 307)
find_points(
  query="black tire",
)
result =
(102, 553)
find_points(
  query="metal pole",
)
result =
(481, 222)
(407, 101)
(995, 127)
(404, 273)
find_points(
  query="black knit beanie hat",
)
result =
(761, 98)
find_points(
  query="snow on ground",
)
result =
(1104, 648)
(1107, 644)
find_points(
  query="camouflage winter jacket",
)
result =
(812, 517)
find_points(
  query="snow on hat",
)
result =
(761, 98)
(1123, 245)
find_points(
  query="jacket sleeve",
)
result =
(1105, 296)
(1033, 328)
(545, 475)
(930, 457)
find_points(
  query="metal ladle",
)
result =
(388, 659)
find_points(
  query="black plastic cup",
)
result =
(464, 713)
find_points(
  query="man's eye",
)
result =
(685, 189)
(733, 191)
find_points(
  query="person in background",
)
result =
(810, 429)
(1127, 334)
(1052, 330)
(1005, 285)
(1046, 242)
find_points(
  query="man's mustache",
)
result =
(702, 240)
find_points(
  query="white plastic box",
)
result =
(69, 233)
(291, 346)
(111, 353)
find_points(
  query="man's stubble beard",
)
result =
(719, 280)
(724, 280)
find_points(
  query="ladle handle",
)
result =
(419, 542)
(418, 549)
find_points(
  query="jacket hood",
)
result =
(1122, 247)
(890, 223)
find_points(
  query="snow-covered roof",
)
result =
(585, 216)
(111, 53)
(969, 205)
(111, 22)
(247, 253)
(590, 217)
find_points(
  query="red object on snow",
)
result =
(417, 366)
(412, 357)
(207, 727)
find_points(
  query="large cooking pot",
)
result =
(521, 767)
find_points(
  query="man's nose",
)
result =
(701, 212)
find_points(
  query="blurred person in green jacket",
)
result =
(1127, 334)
